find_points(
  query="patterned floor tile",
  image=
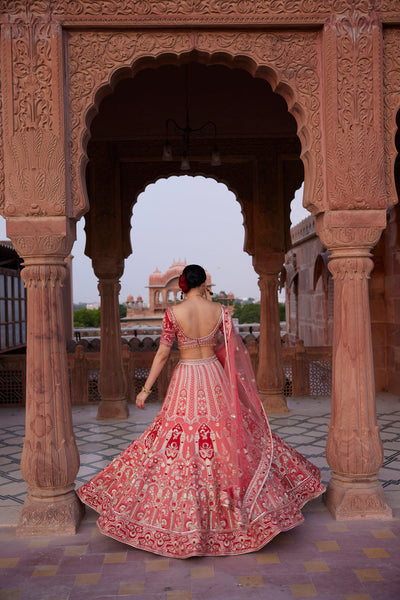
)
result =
(382, 533)
(327, 546)
(268, 558)
(246, 581)
(135, 587)
(202, 572)
(376, 552)
(324, 558)
(368, 574)
(303, 590)
(316, 566)
(87, 579)
(157, 565)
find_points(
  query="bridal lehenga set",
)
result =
(208, 477)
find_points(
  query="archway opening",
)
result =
(255, 133)
(190, 219)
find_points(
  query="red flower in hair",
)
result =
(183, 284)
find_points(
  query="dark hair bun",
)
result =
(194, 276)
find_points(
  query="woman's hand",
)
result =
(141, 399)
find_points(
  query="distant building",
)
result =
(93, 306)
(227, 300)
(12, 300)
(163, 292)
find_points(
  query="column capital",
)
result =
(42, 240)
(350, 233)
(268, 282)
(268, 263)
(108, 269)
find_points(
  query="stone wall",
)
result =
(310, 314)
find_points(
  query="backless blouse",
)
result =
(172, 327)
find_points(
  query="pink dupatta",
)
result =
(251, 443)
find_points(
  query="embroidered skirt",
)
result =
(169, 491)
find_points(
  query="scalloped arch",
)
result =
(198, 173)
(288, 61)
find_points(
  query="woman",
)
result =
(207, 477)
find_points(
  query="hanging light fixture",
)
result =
(186, 132)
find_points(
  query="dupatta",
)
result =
(251, 443)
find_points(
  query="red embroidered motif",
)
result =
(174, 442)
(149, 440)
(206, 447)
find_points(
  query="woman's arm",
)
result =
(158, 363)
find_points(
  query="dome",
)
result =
(139, 299)
(129, 298)
(156, 277)
(175, 269)
(230, 295)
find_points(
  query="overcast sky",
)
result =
(188, 218)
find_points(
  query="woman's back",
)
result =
(197, 318)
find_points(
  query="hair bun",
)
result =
(192, 276)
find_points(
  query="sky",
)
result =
(180, 218)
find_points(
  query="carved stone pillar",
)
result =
(357, 199)
(50, 459)
(68, 300)
(354, 448)
(270, 369)
(112, 381)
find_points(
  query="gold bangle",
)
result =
(146, 391)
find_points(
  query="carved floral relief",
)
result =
(355, 152)
(32, 76)
(36, 182)
(34, 152)
(288, 60)
(234, 11)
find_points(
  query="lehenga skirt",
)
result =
(166, 493)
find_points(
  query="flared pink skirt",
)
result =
(167, 492)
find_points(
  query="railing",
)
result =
(128, 333)
(307, 371)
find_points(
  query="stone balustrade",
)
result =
(307, 370)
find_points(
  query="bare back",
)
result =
(197, 317)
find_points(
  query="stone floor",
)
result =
(322, 558)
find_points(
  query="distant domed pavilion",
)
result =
(163, 292)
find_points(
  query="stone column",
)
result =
(356, 201)
(50, 459)
(270, 369)
(354, 448)
(68, 300)
(112, 381)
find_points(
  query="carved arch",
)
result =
(243, 201)
(391, 77)
(321, 270)
(289, 61)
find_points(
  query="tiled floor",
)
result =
(322, 558)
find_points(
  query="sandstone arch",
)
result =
(289, 62)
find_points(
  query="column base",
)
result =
(273, 402)
(112, 409)
(50, 515)
(349, 500)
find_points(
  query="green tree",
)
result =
(237, 311)
(122, 311)
(250, 313)
(87, 318)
